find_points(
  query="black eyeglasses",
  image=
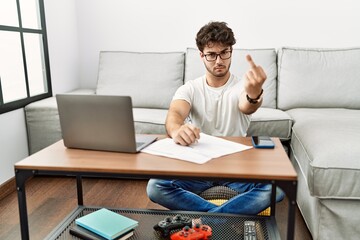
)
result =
(211, 57)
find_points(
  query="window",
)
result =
(24, 60)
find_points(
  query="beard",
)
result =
(219, 70)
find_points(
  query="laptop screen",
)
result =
(97, 122)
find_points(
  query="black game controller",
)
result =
(168, 224)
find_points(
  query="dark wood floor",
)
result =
(51, 199)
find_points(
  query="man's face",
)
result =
(214, 57)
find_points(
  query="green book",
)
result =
(106, 223)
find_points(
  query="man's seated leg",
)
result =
(179, 194)
(252, 198)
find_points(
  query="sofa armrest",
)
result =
(270, 122)
(42, 121)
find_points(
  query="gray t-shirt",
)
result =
(215, 110)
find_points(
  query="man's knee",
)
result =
(268, 188)
(279, 194)
(154, 187)
(151, 188)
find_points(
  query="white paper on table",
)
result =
(207, 148)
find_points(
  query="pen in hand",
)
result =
(196, 131)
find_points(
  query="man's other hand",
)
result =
(186, 135)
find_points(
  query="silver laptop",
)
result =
(99, 122)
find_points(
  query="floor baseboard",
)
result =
(7, 188)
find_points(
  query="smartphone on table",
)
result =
(262, 142)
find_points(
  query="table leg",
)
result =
(273, 199)
(290, 189)
(79, 190)
(21, 176)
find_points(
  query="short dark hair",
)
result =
(215, 32)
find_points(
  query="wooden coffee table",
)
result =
(254, 165)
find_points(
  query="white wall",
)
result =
(13, 142)
(64, 66)
(62, 32)
(163, 25)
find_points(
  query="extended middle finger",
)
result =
(257, 75)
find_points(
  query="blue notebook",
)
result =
(106, 223)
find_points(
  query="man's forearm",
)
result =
(173, 122)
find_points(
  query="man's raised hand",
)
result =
(254, 79)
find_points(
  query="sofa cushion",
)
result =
(149, 121)
(270, 122)
(151, 79)
(325, 142)
(318, 78)
(194, 67)
(265, 121)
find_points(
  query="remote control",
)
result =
(249, 230)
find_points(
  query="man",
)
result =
(216, 104)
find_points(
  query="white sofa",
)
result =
(151, 79)
(310, 100)
(319, 89)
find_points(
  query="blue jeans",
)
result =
(184, 195)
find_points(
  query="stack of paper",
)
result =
(205, 149)
(107, 224)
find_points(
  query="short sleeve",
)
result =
(185, 92)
